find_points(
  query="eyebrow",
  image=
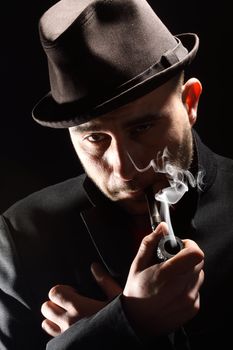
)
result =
(89, 126)
(97, 126)
(141, 119)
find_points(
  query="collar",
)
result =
(107, 227)
(204, 162)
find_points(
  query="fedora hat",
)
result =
(103, 54)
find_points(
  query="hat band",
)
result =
(168, 59)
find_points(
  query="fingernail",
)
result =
(97, 270)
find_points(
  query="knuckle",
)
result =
(202, 276)
(146, 242)
(192, 303)
(58, 293)
(51, 328)
(45, 307)
(55, 291)
(191, 298)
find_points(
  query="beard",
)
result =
(120, 191)
(184, 156)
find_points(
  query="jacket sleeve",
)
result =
(107, 329)
(18, 328)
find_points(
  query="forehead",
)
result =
(141, 110)
(125, 121)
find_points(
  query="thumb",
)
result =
(105, 281)
(147, 250)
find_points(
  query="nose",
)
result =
(119, 154)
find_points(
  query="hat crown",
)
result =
(100, 50)
(106, 45)
(60, 16)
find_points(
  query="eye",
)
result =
(95, 137)
(141, 129)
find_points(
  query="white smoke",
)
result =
(179, 181)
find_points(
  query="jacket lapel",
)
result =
(107, 227)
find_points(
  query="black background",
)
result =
(33, 156)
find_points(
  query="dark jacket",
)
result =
(52, 236)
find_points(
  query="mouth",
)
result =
(138, 191)
(133, 194)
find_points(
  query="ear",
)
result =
(191, 92)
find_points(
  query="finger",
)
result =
(147, 250)
(52, 311)
(105, 281)
(75, 305)
(51, 328)
(194, 293)
(192, 308)
(64, 296)
(186, 260)
(196, 283)
(196, 305)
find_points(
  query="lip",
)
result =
(134, 194)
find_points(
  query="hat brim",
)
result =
(48, 112)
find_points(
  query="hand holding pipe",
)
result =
(166, 247)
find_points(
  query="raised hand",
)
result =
(65, 306)
(159, 298)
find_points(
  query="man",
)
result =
(80, 261)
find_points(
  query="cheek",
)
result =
(94, 167)
(177, 125)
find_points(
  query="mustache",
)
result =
(137, 185)
(128, 188)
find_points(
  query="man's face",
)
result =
(109, 147)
